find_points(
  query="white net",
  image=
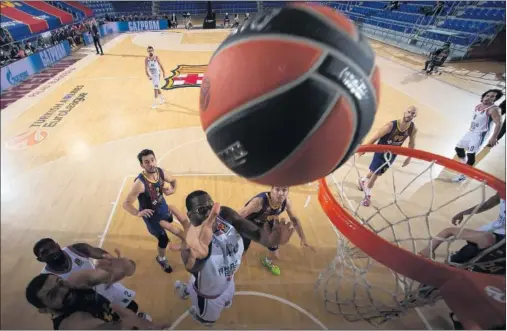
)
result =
(409, 207)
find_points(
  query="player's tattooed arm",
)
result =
(266, 236)
(251, 207)
(89, 251)
(297, 225)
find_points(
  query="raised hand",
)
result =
(198, 238)
(279, 234)
(117, 267)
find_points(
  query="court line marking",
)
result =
(263, 295)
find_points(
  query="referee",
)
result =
(96, 38)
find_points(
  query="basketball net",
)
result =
(358, 287)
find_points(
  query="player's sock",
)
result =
(275, 270)
(162, 100)
(154, 105)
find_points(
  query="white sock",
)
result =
(162, 258)
(463, 160)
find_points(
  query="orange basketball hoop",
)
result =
(478, 299)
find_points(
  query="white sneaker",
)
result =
(459, 179)
(145, 316)
(154, 105)
(181, 289)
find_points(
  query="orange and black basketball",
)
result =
(288, 97)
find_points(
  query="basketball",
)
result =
(289, 96)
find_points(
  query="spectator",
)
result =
(437, 58)
(393, 5)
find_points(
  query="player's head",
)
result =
(447, 44)
(151, 51)
(490, 96)
(279, 194)
(50, 293)
(199, 205)
(148, 160)
(48, 251)
(410, 114)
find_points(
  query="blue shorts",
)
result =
(379, 164)
(153, 223)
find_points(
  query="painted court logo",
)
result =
(26, 139)
(185, 76)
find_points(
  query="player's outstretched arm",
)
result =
(197, 245)
(89, 251)
(481, 238)
(379, 134)
(487, 205)
(266, 236)
(297, 225)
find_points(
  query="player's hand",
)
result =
(145, 213)
(118, 267)
(406, 162)
(360, 154)
(168, 190)
(278, 235)
(457, 219)
(492, 142)
(198, 238)
(305, 244)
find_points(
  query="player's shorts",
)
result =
(153, 223)
(155, 81)
(381, 162)
(472, 141)
(246, 241)
(210, 308)
(117, 294)
(471, 250)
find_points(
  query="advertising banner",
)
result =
(16, 72)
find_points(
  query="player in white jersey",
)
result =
(485, 248)
(65, 261)
(484, 113)
(153, 68)
(212, 252)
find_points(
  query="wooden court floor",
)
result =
(67, 180)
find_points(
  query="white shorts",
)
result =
(209, 310)
(155, 80)
(117, 294)
(472, 141)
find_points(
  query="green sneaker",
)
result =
(275, 270)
